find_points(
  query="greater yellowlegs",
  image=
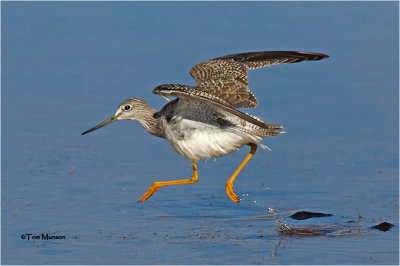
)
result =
(203, 122)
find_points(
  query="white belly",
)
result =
(196, 140)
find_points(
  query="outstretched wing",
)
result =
(226, 76)
(200, 94)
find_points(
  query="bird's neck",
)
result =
(151, 124)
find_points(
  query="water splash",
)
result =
(282, 224)
(244, 197)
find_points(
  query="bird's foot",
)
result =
(231, 194)
(149, 192)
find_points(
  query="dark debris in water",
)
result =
(302, 232)
(325, 230)
(383, 226)
(304, 215)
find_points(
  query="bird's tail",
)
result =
(273, 129)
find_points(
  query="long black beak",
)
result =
(108, 121)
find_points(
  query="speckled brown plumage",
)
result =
(226, 76)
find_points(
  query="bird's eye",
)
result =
(127, 107)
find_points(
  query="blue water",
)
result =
(67, 66)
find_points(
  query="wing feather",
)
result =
(177, 90)
(226, 76)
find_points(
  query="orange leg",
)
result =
(156, 185)
(228, 185)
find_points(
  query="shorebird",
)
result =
(202, 121)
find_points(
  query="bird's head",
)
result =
(130, 109)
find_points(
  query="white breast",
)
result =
(197, 140)
(198, 130)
